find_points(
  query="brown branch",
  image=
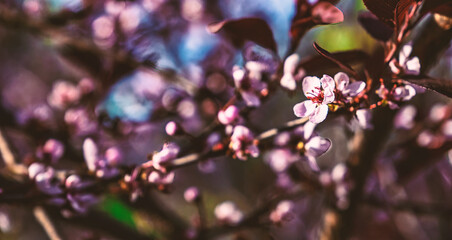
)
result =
(43, 219)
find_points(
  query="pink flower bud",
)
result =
(228, 213)
(86, 85)
(229, 115)
(113, 156)
(191, 194)
(55, 148)
(171, 128)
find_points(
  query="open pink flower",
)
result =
(320, 92)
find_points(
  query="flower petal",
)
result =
(413, 66)
(319, 114)
(313, 163)
(341, 80)
(404, 118)
(251, 99)
(90, 153)
(404, 54)
(328, 86)
(354, 88)
(291, 63)
(288, 81)
(311, 86)
(317, 146)
(363, 116)
(328, 83)
(238, 74)
(308, 129)
(410, 92)
(304, 109)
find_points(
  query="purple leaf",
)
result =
(251, 29)
(442, 86)
(375, 27)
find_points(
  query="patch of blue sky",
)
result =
(58, 5)
(124, 103)
(196, 45)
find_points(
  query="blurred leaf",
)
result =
(443, 7)
(332, 58)
(118, 210)
(240, 30)
(375, 27)
(326, 13)
(402, 8)
(317, 63)
(442, 86)
(308, 16)
(383, 9)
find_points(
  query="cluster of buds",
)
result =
(153, 171)
(243, 143)
(249, 82)
(228, 213)
(51, 151)
(437, 127)
(392, 97)
(282, 213)
(65, 94)
(71, 193)
(338, 180)
(102, 166)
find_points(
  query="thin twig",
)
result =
(8, 156)
(43, 219)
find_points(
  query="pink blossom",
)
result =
(242, 143)
(346, 88)
(90, 153)
(404, 93)
(227, 212)
(113, 156)
(320, 92)
(161, 178)
(283, 212)
(406, 65)
(364, 118)
(171, 128)
(289, 79)
(280, 159)
(404, 118)
(315, 147)
(63, 94)
(229, 115)
(54, 148)
(168, 153)
(191, 194)
(439, 112)
(396, 94)
(249, 82)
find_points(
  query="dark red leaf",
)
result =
(375, 27)
(344, 66)
(320, 63)
(251, 29)
(438, 85)
(443, 7)
(326, 13)
(403, 6)
(383, 9)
